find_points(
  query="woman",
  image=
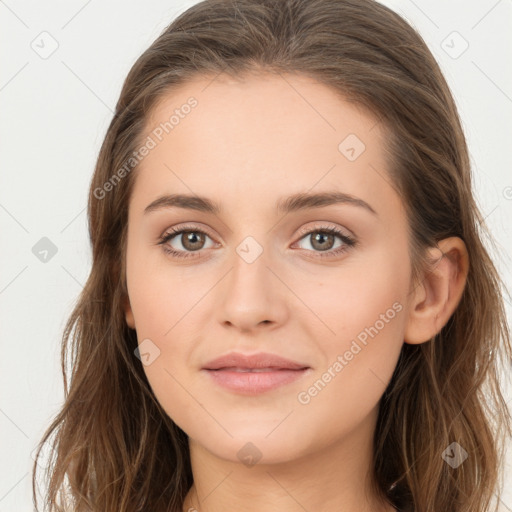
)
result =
(290, 305)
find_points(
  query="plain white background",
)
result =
(55, 111)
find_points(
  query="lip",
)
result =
(275, 371)
(253, 361)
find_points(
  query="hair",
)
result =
(113, 447)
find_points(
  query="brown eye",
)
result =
(183, 243)
(192, 240)
(322, 241)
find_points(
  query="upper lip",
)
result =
(260, 360)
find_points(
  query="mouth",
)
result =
(252, 374)
(254, 381)
(256, 370)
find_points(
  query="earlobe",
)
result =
(437, 296)
(128, 313)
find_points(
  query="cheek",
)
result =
(160, 294)
(161, 315)
(356, 296)
(362, 310)
(359, 359)
(160, 302)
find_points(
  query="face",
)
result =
(321, 283)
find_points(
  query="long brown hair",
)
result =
(114, 447)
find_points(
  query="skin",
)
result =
(246, 144)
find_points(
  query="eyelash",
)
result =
(166, 237)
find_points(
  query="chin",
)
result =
(252, 446)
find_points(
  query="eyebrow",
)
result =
(296, 202)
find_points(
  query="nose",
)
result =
(251, 296)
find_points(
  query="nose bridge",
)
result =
(251, 293)
(250, 275)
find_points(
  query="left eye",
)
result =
(193, 239)
(323, 239)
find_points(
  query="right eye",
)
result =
(191, 240)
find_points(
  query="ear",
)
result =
(128, 313)
(437, 295)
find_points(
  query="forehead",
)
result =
(303, 107)
(261, 135)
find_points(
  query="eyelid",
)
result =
(187, 227)
(306, 230)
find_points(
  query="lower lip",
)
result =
(252, 383)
